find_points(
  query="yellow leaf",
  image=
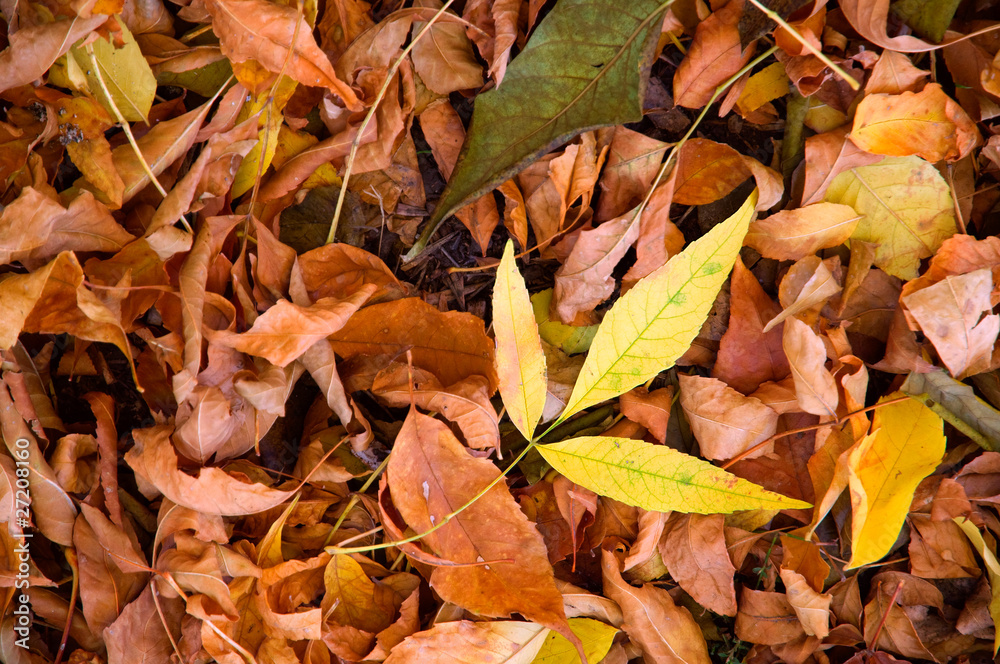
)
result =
(126, 75)
(657, 478)
(884, 469)
(907, 206)
(520, 361)
(655, 322)
(270, 119)
(596, 636)
(989, 556)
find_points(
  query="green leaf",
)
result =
(596, 637)
(519, 360)
(958, 405)
(126, 74)
(928, 18)
(655, 322)
(585, 66)
(657, 478)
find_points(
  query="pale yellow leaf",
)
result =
(519, 359)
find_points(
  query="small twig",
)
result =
(349, 167)
(809, 47)
(791, 432)
(124, 122)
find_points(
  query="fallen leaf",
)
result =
(497, 642)
(907, 207)
(724, 422)
(795, 234)
(596, 637)
(906, 444)
(665, 632)
(503, 139)
(451, 345)
(950, 314)
(656, 478)
(519, 357)
(279, 39)
(956, 403)
(715, 54)
(33, 49)
(124, 72)
(811, 607)
(694, 550)
(443, 58)
(654, 323)
(989, 556)
(814, 384)
(929, 124)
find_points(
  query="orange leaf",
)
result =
(451, 345)
(264, 32)
(430, 474)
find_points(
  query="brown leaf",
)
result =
(278, 38)
(104, 588)
(725, 422)
(340, 270)
(666, 632)
(795, 234)
(451, 345)
(465, 403)
(814, 385)
(285, 331)
(633, 160)
(214, 491)
(465, 642)
(584, 280)
(33, 49)
(767, 618)
(430, 475)
(650, 409)
(138, 635)
(811, 607)
(443, 58)
(715, 54)
(893, 74)
(827, 156)
(694, 550)
(748, 356)
(950, 313)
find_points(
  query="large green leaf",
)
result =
(585, 66)
(657, 478)
(654, 323)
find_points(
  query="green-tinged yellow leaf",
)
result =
(884, 469)
(125, 72)
(596, 636)
(354, 599)
(520, 360)
(567, 338)
(657, 478)
(989, 556)
(655, 322)
(907, 207)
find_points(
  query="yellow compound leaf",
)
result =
(519, 359)
(884, 469)
(989, 556)
(657, 478)
(907, 207)
(655, 322)
(596, 637)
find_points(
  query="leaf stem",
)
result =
(349, 167)
(123, 121)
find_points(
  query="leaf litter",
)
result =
(499, 331)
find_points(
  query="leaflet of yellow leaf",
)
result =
(519, 359)
(989, 557)
(657, 478)
(884, 469)
(907, 207)
(269, 121)
(596, 636)
(654, 323)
